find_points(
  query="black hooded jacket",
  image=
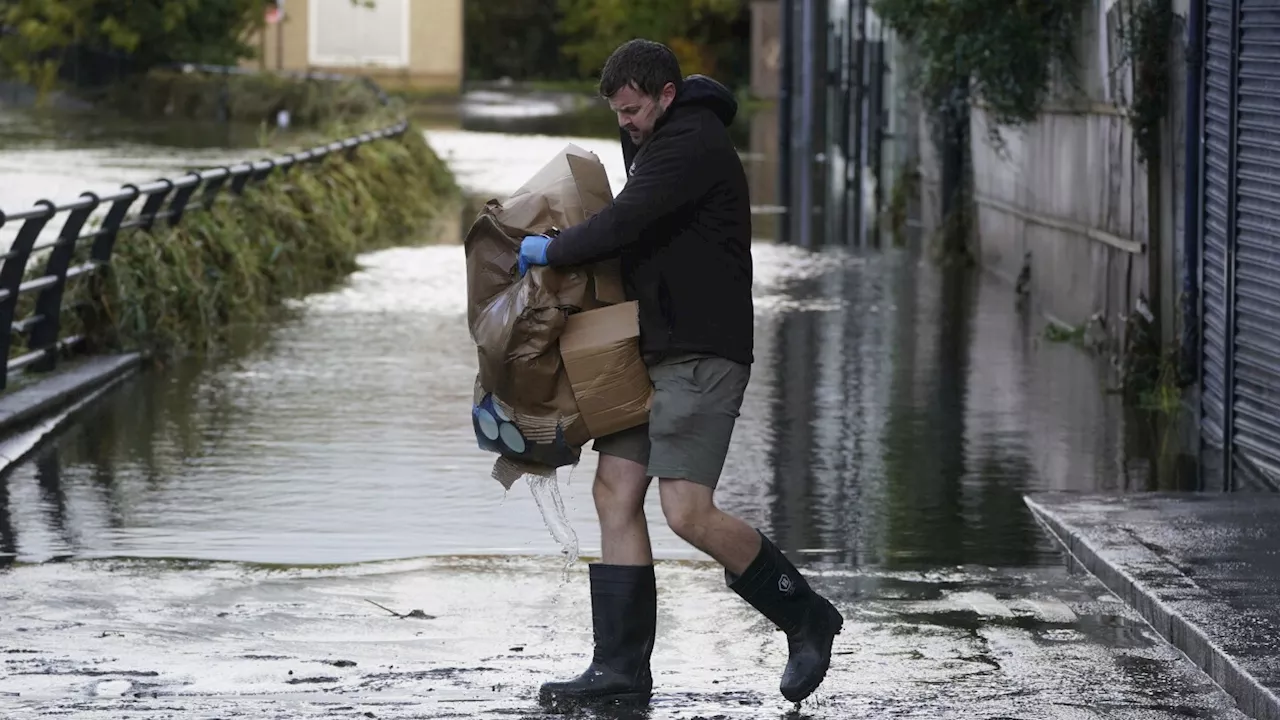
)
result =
(682, 229)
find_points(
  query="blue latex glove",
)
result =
(533, 251)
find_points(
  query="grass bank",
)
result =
(184, 288)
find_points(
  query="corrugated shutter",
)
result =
(1240, 250)
(1219, 128)
(1256, 431)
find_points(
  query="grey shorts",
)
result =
(696, 399)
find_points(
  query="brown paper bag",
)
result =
(524, 405)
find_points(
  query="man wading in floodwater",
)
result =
(682, 228)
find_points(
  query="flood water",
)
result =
(57, 155)
(150, 553)
(894, 417)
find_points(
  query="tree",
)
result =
(37, 36)
(702, 33)
(1006, 51)
(515, 39)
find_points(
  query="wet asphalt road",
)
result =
(142, 640)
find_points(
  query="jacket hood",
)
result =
(700, 90)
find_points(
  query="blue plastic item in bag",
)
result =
(496, 433)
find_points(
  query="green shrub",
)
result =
(254, 98)
(180, 289)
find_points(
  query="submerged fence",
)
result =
(77, 253)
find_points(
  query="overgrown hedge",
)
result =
(249, 97)
(181, 289)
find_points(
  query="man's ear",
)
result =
(668, 95)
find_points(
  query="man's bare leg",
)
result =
(624, 595)
(692, 514)
(761, 575)
(619, 491)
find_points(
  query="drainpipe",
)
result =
(859, 79)
(1192, 205)
(787, 8)
(807, 91)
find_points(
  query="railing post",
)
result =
(353, 145)
(100, 253)
(44, 336)
(151, 208)
(181, 198)
(260, 174)
(238, 182)
(15, 264)
(212, 186)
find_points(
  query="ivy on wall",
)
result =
(1007, 51)
(1145, 35)
(1015, 54)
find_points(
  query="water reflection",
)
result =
(895, 416)
(8, 538)
(533, 112)
(477, 135)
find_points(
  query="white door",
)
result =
(347, 34)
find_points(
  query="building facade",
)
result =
(401, 44)
(840, 118)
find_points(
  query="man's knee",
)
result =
(619, 488)
(686, 506)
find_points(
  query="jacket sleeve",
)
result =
(669, 177)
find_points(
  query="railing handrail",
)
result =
(166, 199)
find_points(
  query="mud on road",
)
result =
(152, 639)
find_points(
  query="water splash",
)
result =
(546, 492)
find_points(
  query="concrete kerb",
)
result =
(1253, 698)
(30, 414)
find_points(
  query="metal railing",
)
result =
(162, 200)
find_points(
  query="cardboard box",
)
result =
(600, 350)
(533, 406)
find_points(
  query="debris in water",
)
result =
(415, 614)
(547, 494)
(311, 680)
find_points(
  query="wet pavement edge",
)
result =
(62, 386)
(1108, 536)
(31, 413)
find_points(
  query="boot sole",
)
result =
(555, 700)
(809, 688)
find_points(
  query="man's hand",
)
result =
(533, 251)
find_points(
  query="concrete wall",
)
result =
(435, 50)
(930, 177)
(766, 48)
(1069, 197)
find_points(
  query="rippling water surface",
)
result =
(895, 416)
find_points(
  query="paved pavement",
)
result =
(149, 639)
(1203, 569)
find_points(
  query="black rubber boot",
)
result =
(624, 610)
(772, 585)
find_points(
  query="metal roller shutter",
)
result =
(1256, 352)
(1218, 201)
